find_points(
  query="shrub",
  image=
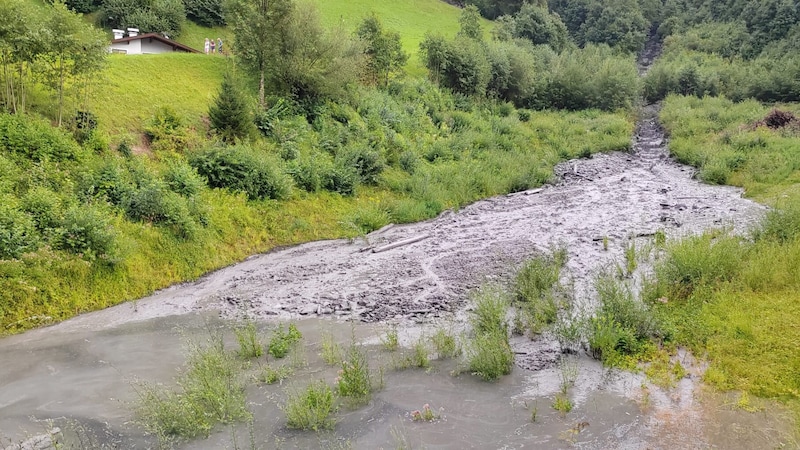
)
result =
(87, 230)
(282, 340)
(490, 356)
(240, 168)
(17, 232)
(341, 179)
(354, 378)
(183, 179)
(152, 202)
(366, 162)
(250, 345)
(167, 130)
(44, 206)
(34, 138)
(311, 409)
(489, 313)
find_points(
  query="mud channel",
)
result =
(79, 373)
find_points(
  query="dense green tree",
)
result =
(385, 55)
(470, 23)
(537, 25)
(208, 13)
(229, 115)
(618, 23)
(460, 65)
(73, 54)
(492, 9)
(286, 46)
(155, 16)
(21, 43)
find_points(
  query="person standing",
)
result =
(219, 45)
(207, 46)
(212, 46)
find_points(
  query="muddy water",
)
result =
(79, 373)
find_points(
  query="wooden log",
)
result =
(400, 243)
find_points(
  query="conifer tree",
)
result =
(229, 114)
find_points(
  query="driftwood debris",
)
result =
(400, 243)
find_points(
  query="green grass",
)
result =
(133, 87)
(718, 137)
(411, 18)
(735, 300)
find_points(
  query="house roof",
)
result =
(157, 37)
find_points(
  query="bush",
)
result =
(208, 13)
(240, 168)
(354, 378)
(87, 230)
(341, 179)
(152, 202)
(311, 409)
(366, 162)
(781, 224)
(18, 233)
(490, 356)
(35, 139)
(183, 179)
(282, 340)
(167, 130)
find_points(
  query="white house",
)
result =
(150, 43)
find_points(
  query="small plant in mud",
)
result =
(211, 391)
(660, 238)
(390, 340)
(562, 404)
(250, 345)
(662, 371)
(426, 414)
(489, 313)
(272, 375)
(568, 367)
(311, 409)
(283, 340)
(605, 243)
(538, 291)
(630, 258)
(354, 381)
(490, 356)
(331, 351)
(445, 344)
(420, 356)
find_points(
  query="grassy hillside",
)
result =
(411, 18)
(133, 87)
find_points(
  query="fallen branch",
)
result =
(400, 243)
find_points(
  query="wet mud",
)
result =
(81, 369)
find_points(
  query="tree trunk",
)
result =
(261, 89)
(60, 90)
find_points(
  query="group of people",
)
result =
(213, 47)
